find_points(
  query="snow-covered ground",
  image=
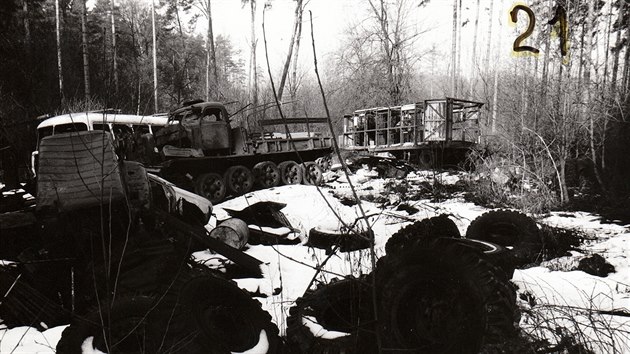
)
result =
(554, 301)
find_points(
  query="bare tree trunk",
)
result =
(28, 49)
(459, 82)
(294, 86)
(473, 65)
(608, 26)
(626, 66)
(285, 70)
(27, 29)
(454, 52)
(486, 64)
(253, 74)
(155, 79)
(495, 94)
(587, 82)
(615, 68)
(211, 61)
(86, 61)
(545, 70)
(58, 35)
(382, 17)
(114, 49)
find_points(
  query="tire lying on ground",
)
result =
(334, 318)
(125, 322)
(512, 230)
(213, 315)
(498, 255)
(440, 296)
(431, 228)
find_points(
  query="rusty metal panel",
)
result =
(215, 135)
(78, 170)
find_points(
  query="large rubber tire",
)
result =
(498, 255)
(442, 297)
(211, 186)
(290, 172)
(344, 306)
(431, 228)
(218, 316)
(512, 230)
(239, 180)
(266, 174)
(312, 174)
(127, 325)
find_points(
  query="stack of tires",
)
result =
(433, 292)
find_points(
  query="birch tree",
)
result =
(211, 61)
(114, 53)
(58, 29)
(84, 45)
(253, 75)
(296, 25)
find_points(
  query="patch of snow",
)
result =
(29, 340)
(320, 332)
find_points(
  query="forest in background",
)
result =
(558, 122)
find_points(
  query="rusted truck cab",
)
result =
(199, 129)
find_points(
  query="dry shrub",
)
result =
(81, 105)
(504, 180)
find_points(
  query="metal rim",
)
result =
(267, 174)
(211, 186)
(312, 173)
(240, 179)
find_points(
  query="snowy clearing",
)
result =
(555, 300)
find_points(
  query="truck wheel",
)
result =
(509, 229)
(312, 174)
(427, 159)
(266, 174)
(290, 172)
(440, 297)
(239, 180)
(210, 186)
(335, 318)
(323, 163)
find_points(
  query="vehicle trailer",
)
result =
(432, 133)
(204, 153)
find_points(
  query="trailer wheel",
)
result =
(335, 318)
(441, 297)
(211, 186)
(312, 174)
(427, 158)
(323, 163)
(239, 180)
(266, 174)
(509, 229)
(290, 172)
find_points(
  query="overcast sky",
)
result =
(331, 19)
